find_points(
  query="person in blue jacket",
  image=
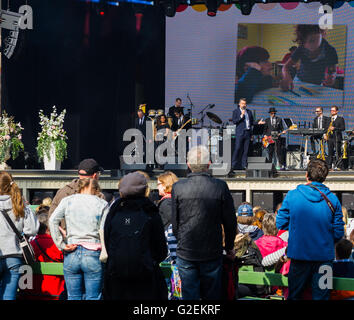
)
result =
(253, 71)
(313, 231)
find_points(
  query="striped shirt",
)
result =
(171, 244)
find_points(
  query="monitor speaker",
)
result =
(260, 170)
(180, 170)
(238, 198)
(128, 168)
(263, 199)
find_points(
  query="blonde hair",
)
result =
(89, 182)
(47, 201)
(167, 179)
(345, 215)
(9, 187)
(269, 225)
(258, 218)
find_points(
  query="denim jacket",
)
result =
(84, 215)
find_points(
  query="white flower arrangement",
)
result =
(52, 133)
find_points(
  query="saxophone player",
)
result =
(334, 136)
(320, 122)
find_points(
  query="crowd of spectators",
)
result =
(111, 247)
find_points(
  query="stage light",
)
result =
(212, 6)
(246, 6)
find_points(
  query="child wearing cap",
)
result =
(253, 72)
(245, 221)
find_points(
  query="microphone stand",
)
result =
(203, 115)
(191, 105)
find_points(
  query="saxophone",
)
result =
(345, 146)
(328, 130)
(321, 153)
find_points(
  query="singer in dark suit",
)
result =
(273, 127)
(243, 119)
(140, 122)
(320, 122)
(334, 136)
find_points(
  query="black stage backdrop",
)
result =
(92, 73)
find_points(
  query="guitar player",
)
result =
(180, 121)
(273, 128)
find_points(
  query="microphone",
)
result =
(211, 106)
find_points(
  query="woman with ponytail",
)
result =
(12, 204)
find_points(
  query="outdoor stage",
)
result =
(267, 192)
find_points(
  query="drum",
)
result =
(160, 112)
(194, 121)
(152, 113)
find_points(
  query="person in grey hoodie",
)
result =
(11, 259)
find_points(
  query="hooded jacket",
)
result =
(313, 229)
(29, 225)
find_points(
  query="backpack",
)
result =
(129, 254)
(253, 257)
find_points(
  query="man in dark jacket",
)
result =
(201, 205)
(313, 231)
(135, 242)
(243, 119)
(273, 129)
(334, 137)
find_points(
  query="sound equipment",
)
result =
(260, 170)
(348, 200)
(180, 170)
(256, 159)
(263, 199)
(128, 168)
(238, 198)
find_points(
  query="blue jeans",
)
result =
(200, 279)
(303, 274)
(82, 267)
(9, 276)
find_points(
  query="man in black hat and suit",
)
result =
(180, 121)
(273, 128)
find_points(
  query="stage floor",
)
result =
(41, 180)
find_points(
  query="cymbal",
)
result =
(213, 117)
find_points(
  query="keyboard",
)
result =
(307, 131)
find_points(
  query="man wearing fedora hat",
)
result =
(273, 128)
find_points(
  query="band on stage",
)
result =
(265, 137)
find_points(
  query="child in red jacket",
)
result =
(45, 287)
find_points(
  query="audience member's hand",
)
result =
(253, 65)
(329, 80)
(70, 247)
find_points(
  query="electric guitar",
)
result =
(267, 140)
(176, 133)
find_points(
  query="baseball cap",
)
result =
(90, 166)
(245, 210)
